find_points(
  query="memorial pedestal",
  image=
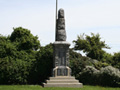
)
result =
(62, 73)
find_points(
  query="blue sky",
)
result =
(82, 16)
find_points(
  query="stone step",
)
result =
(62, 78)
(63, 85)
(62, 81)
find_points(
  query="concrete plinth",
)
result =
(62, 81)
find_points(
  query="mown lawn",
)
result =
(37, 87)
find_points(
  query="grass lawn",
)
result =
(37, 87)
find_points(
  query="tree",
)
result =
(116, 60)
(24, 40)
(42, 67)
(91, 45)
(6, 47)
(17, 56)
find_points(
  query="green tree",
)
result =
(108, 58)
(17, 56)
(116, 60)
(43, 66)
(24, 40)
(91, 45)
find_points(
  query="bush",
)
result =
(108, 58)
(78, 64)
(15, 70)
(17, 56)
(110, 76)
(89, 71)
(116, 60)
(42, 67)
(89, 75)
(98, 65)
(107, 76)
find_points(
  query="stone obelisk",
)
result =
(61, 48)
(61, 71)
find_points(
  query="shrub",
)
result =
(110, 76)
(98, 65)
(89, 75)
(17, 56)
(116, 60)
(15, 70)
(108, 58)
(42, 67)
(107, 76)
(78, 64)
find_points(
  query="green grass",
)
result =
(37, 87)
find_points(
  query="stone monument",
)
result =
(61, 72)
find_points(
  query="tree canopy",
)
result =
(17, 56)
(24, 40)
(91, 45)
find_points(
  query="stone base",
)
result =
(62, 81)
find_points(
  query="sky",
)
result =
(82, 16)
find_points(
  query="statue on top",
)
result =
(60, 32)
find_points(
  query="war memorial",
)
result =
(61, 72)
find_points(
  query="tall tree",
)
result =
(24, 39)
(17, 56)
(91, 45)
